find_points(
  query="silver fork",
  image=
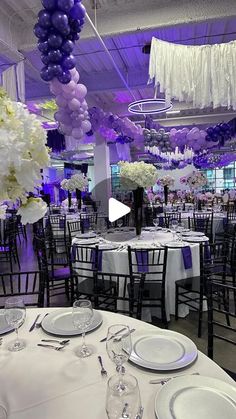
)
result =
(103, 371)
(61, 342)
(56, 348)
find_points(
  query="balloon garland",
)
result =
(58, 27)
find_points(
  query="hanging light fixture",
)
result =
(151, 106)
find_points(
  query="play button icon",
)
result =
(117, 210)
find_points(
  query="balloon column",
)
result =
(58, 27)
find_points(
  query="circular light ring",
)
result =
(138, 107)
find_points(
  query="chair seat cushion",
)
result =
(60, 273)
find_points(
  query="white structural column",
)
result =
(102, 172)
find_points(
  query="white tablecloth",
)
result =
(39, 383)
(218, 221)
(117, 262)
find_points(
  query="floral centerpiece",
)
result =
(166, 182)
(76, 183)
(137, 176)
(195, 180)
(23, 154)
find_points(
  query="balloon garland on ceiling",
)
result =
(58, 27)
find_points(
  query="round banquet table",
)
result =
(116, 261)
(218, 220)
(40, 383)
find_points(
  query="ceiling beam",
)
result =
(136, 17)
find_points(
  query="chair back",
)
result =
(221, 313)
(29, 285)
(88, 221)
(170, 216)
(73, 229)
(202, 222)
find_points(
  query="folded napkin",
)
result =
(73, 253)
(142, 260)
(207, 252)
(187, 257)
(86, 224)
(200, 223)
(61, 223)
(93, 255)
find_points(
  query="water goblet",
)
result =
(174, 225)
(119, 347)
(15, 316)
(126, 404)
(82, 317)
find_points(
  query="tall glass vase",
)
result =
(69, 199)
(166, 190)
(138, 209)
(78, 197)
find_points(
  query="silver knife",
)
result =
(117, 333)
(33, 325)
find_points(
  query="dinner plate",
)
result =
(193, 233)
(60, 323)
(4, 327)
(175, 244)
(196, 397)
(108, 246)
(164, 351)
(87, 242)
(89, 235)
(196, 239)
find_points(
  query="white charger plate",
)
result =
(193, 233)
(4, 327)
(89, 235)
(87, 242)
(60, 323)
(164, 351)
(196, 397)
(196, 239)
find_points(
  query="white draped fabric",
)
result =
(13, 81)
(204, 75)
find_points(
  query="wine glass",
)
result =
(15, 316)
(180, 229)
(126, 404)
(119, 347)
(82, 317)
(174, 225)
(119, 222)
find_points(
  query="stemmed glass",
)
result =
(15, 317)
(180, 229)
(82, 317)
(126, 404)
(174, 225)
(119, 347)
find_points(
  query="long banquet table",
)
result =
(39, 383)
(116, 261)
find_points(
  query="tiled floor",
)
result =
(224, 354)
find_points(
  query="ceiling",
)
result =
(126, 26)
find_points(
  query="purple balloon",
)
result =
(86, 126)
(74, 104)
(49, 4)
(65, 5)
(59, 20)
(44, 19)
(67, 47)
(68, 62)
(65, 77)
(81, 91)
(43, 47)
(76, 123)
(46, 74)
(70, 87)
(78, 11)
(77, 133)
(45, 60)
(66, 129)
(55, 56)
(40, 32)
(55, 41)
(61, 101)
(56, 69)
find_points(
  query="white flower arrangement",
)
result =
(195, 180)
(137, 174)
(31, 212)
(166, 181)
(23, 152)
(78, 181)
(3, 209)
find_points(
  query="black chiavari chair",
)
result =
(29, 285)
(170, 216)
(221, 316)
(192, 291)
(57, 276)
(73, 229)
(202, 222)
(147, 267)
(8, 244)
(88, 222)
